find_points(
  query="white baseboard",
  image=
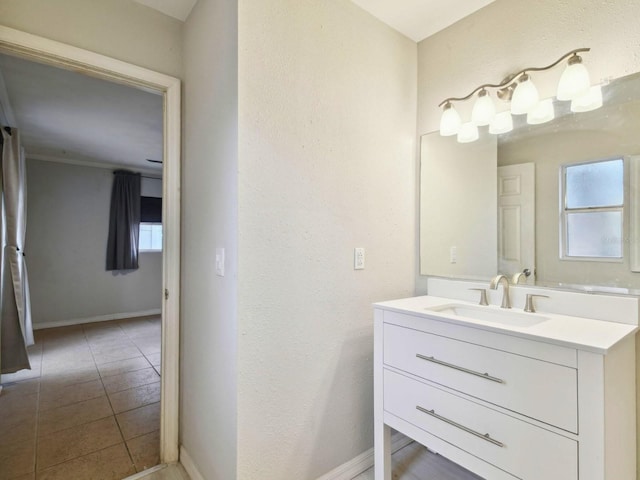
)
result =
(189, 466)
(146, 473)
(364, 461)
(99, 318)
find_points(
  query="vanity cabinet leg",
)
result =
(382, 451)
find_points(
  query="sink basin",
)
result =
(489, 314)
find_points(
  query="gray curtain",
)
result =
(16, 331)
(124, 221)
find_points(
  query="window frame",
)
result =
(564, 211)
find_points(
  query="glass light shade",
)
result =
(468, 133)
(541, 113)
(591, 101)
(450, 121)
(574, 82)
(525, 96)
(483, 109)
(502, 123)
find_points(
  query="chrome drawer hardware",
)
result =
(486, 376)
(484, 436)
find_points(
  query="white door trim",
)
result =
(42, 50)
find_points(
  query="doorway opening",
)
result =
(44, 51)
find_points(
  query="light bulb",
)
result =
(591, 101)
(483, 109)
(525, 96)
(574, 82)
(450, 121)
(468, 133)
(502, 123)
(541, 113)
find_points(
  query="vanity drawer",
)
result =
(519, 448)
(538, 389)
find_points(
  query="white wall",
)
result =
(120, 29)
(67, 229)
(209, 220)
(508, 35)
(327, 140)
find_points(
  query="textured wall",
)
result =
(209, 220)
(120, 29)
(66, 244)
(508, 35)
(327, 128)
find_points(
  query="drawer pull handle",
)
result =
(486, 376)
(484, 436)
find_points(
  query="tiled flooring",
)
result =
(415, 462)
(90, 407)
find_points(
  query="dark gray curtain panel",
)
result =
(124, 221)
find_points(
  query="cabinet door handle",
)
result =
(486, 376)
(484, 436)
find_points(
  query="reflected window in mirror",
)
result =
(593, 210)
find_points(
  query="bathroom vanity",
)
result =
(508, 394)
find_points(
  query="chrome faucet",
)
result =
(497, 280)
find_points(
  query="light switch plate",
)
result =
(220, 262)
(358, 258)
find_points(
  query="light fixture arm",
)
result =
(511, 78)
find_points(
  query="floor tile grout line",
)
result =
(115, 417)
(35, 439)
(79, 456)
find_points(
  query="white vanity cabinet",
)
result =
(505, 403)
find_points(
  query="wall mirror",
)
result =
(559, 199)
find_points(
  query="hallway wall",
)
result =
(208, 375)
(327, 112)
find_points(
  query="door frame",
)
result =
(42, 50)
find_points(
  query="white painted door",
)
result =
(516, 220)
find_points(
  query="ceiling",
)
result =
(179, 9)
(67, 116)
(419, 19)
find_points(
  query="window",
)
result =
(150, 237)
(150, 224)
(592, 210)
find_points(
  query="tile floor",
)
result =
(415, 462)
(90, 407)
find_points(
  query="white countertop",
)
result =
(596, 336)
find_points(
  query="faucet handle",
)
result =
(483, 295)
(528, 305)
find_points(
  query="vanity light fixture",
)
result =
(591, 101)
(543, 112)
(483, 110)
(450, 121)
(520, 91)
(502, 123)
(525, 96)
(468, 133)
